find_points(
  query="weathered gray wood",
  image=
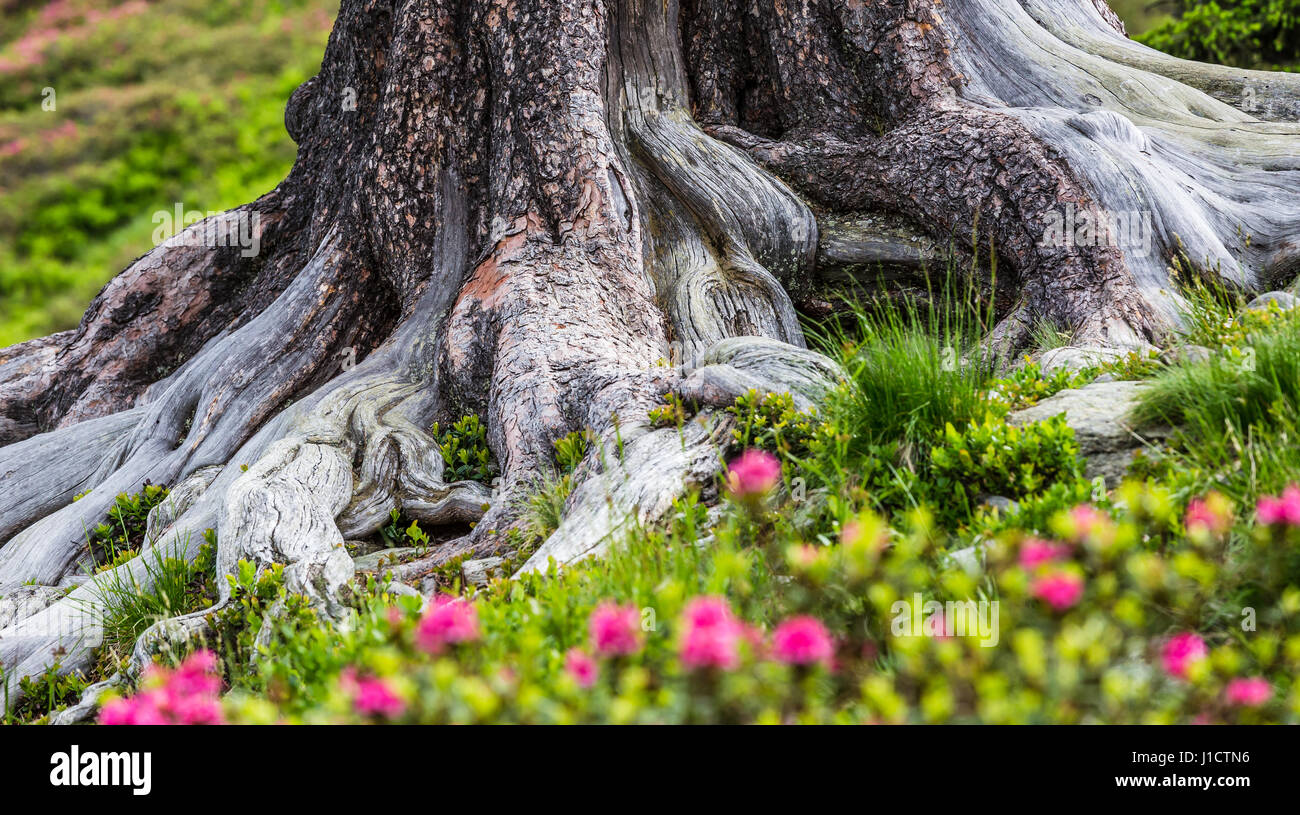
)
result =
(552, 215)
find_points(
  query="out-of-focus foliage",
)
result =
(1262, 34)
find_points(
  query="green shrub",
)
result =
(570, 450)
(120, 538)
(465, 450)
(992, 457)
(52, 691)
(1261, 34)
(771, 422)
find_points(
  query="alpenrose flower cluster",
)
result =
(447, 621)
(1211, 514)
(189, 694)
(372, 696)
(753, 474)
(711, 637)
(1283, 510)
(1180, 652)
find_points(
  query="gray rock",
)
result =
(969, 560)
(377, 561)
(1285, 301)
(1001, 503)
(478, 572)
(1076, 358)
(404, 590)
(1186, 355)
(360, 548)
(1098, 414)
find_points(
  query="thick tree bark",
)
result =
(516, 208)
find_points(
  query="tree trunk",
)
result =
(516, 208)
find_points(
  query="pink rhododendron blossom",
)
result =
(447, 621)
(802, 641)
(1181, 651)
(1088, 522)
(372, 696)
(1034, 552)
(581, 667)
(188, 694)
(1283, 510)
(1060, 590)
(711, 635)
(1213, 514)
(1248, 692)
(753, 473)
(615, 630)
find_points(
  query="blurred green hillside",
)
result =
(154, 102)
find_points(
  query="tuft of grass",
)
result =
(172, 586)
(1243, 386)
(912, 368)
(1047, 336)
(544, 509)
(1234, 413)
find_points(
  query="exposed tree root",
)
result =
(551, 215)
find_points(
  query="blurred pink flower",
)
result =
(1060, 590)
(711, 635)
(1181, 651)
(1034, 552)
(1088, 522)
(615, 630)
(754, 472)
(802, 641)
(187, 695)
(372, 696)
(1282, 510)
(1212, 513)
(1251, 692)
(447, 621)
(581, 667)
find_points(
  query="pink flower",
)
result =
(142, 708)
(753, 473)
(1060, 590)
(1181, 651)
(581, 667)
(711, 635)
(1281, 511)
(1248, 692)
(802, 641)
(1212, 513)
(1034, 552)
(615, 630)
(447, 621)
(1088, 522)
(372, 696)
(186, 695)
